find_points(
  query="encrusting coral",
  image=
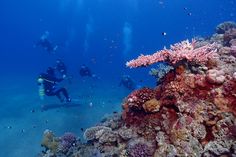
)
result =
(191, 113)
(96, 132)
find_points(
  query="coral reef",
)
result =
(191, 113)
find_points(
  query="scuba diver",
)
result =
(85, 71)
(46, 44)
(127, 82)
(48, 86)
(61, 68)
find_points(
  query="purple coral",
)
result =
(139, 150)
(67, 141)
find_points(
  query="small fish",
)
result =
(32, 111)
(82, 129)
(164, 33)
(189, 14)
(115, 112)
(9, 127)
(185, 8)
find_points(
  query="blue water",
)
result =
(103, 34)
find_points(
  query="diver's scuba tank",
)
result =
(41, 89)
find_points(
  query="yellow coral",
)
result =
(152, 105)
(49, 141)
(180, 134)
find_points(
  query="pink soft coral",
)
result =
(178, 52)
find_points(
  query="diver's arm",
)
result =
(54, 80)
(58, 79)
(50, 81)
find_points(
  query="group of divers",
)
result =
(48, 82)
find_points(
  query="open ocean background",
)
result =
(103, 34)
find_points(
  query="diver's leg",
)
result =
(65, 93)
(57, 93)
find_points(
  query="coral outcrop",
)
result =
(224, 27)
(192, 112)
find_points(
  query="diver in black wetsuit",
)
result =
(85, 71)
(49, 82)
(127, 82)
(61, 68)
(46, 44)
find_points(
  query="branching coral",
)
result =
(178, 52)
